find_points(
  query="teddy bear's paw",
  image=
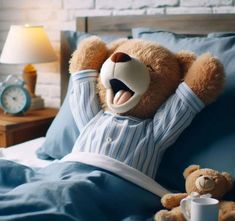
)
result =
(185, 59)
(206, 78)
(172, 200)
(90, 54)
(164, 215)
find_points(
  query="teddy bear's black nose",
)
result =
(120, 57)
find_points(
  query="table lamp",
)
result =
(27, 45)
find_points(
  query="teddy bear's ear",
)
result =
(229, 179)
(190, 169)
(185, 59)
(115, 44)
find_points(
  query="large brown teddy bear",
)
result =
(131, 100)
(201, 181)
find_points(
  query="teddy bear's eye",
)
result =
(200, 175)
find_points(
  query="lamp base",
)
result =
(30, 78)
(37, 103)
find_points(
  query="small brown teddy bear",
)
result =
(131, 100)
(202, 181)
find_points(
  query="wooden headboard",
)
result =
(121, 26)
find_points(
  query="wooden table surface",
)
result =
(10, 121)
(17, 129)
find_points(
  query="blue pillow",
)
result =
(61, 135)
(220, 34)
(63, 131)
(210, 139)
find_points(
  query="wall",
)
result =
(58, 15)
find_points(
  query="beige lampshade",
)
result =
(27, 44)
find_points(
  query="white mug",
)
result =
(200, 209)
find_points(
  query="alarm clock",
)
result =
(14, 98)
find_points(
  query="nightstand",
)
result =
(17, 129)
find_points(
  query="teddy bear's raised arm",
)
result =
(90, 54)
(205, 77)
(85, 65)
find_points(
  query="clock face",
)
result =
(15, 99)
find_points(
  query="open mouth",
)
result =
(122, 93)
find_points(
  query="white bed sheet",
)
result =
(25, 153)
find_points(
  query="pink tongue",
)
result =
(121, 97)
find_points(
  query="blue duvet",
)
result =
(69, 191)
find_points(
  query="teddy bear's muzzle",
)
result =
(205, 183)
(125, 79)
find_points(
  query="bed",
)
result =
(24, 153)
(173, 31)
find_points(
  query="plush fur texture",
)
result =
(214, 182)
(204, 75)
(96, 53)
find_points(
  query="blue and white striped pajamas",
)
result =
(136, 143)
